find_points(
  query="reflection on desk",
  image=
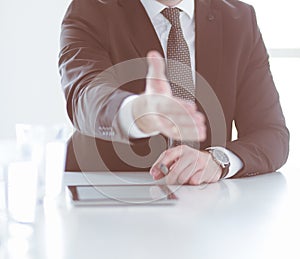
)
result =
(242, 218)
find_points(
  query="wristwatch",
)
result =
(221, 159)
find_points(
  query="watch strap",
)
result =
(224, 169)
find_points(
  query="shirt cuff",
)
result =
(127, 120)
(236, 164)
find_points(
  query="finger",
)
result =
(193, 175)
(156, 65)
(183, 127)
(197, 178)
(181, 166)
(180, 120)
(156, 170)
(157, 82)
(178, 114)
(192, 134)
(193, 168)
(187, 105)
(156, 174)
(169, 104)
(185, 133)
(187, 166)
(167, 158)
(202, 177)
(159, 172)
(210, 172)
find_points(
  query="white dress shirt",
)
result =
(162, 27)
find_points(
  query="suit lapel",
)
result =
(140, 29)
(208, 42)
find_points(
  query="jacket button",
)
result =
(210, 17)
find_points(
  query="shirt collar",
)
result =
(153, 7)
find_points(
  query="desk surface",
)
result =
(255, 217)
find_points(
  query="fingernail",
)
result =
(154, 172)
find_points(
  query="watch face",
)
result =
(221, 156)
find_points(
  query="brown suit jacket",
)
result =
(102, 62)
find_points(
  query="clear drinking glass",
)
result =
(31, 167)
(8, 154)
(46, 146)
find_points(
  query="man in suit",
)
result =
(125, 110)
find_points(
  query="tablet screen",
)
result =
(126, 194)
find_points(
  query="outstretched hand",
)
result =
(158, 110)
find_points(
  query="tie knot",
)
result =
(172, 14)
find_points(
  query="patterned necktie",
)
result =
(179, 66)
(178, 59)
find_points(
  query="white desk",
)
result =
(255, 217)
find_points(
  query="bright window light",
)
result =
(279, 22)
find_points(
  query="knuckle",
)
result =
(167, 153)
(202, 117)
(202, 133)
(185, 147)
(181, 179)
(179, 151)
(200, 123)
(194, 181)
(160, 158)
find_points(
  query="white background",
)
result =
(29, 78)
(30, 90)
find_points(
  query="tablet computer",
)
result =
(81, 195)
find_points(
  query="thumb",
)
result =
(157, 82)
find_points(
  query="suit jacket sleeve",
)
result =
(263, 139)
(88, 76)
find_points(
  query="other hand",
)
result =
(187, 166)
